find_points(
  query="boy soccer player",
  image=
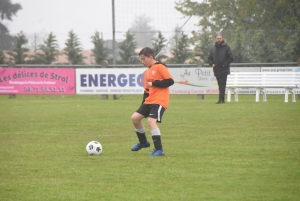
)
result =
(155, 101)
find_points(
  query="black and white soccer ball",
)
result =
(94, 148)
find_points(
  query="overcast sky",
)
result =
(84, 17)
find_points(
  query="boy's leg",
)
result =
(140, 132)
(136, 119)
(156, 137)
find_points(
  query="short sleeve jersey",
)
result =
(157, 95)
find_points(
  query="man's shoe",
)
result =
(139, 146)
(158, 152)
(220, 102)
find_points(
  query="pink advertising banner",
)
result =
(37, 81)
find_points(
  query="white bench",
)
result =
(262, 80)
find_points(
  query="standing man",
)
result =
(219, 58)
(155, 101)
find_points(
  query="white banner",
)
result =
(202, 80)
(130, 81)
(193, 81)
(110, 81)
(187, 80)
(280, 69)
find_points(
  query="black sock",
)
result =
(157, 142)
(142, 137)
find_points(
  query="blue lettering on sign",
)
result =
(140, 80)
(131, 80)
(83, 80)
(102, 80)
(93, 80)
(111, 80)
(122, 82)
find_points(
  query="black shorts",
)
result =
(153, 110)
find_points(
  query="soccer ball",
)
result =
(94, 148)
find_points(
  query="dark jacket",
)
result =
(220, 55)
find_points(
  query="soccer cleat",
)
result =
(158, 152)
(139, 146)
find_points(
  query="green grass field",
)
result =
(236, 151)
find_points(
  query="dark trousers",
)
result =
(222, 80)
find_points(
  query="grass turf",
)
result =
(236, 151)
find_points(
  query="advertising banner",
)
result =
(110, 81)
(202, 80)
(116, 80)
(193, 81)
(130, 80)
(37, 81)
(280, 69)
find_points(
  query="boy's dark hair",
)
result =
(147, 51)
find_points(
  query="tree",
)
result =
(292, 48)
(239, 49)
(2, 57)
(128, 47)
(73, 48)
(36, 39)
(18, 51)
(175, 37)
(283, 14)
(158, 45)
(7, 11)
(100, 52)
(47, 52)
(264, 50)
(219, 15)
(244, 15)
(181, 51)
(142, 31)
(203, 42)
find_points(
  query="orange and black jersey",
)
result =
(161, 80)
